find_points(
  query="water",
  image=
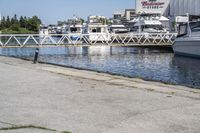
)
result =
(157, 64)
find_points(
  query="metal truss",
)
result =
(135, 39)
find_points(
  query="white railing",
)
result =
(138, 39)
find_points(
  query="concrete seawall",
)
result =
(45, 98)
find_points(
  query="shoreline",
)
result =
(109, 73)
(172, 88)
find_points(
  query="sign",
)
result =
(152, 6)
(182, 19)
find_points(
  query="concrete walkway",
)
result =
(43, 99)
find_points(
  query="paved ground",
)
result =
(66, 99)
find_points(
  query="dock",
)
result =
(130, 39)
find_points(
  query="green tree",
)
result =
(34, 23)
(16, 21)
(21, 25)
(15, 27)
(12, 21)
(26, 22)
(3, 23)
(8, 23)
(22, 22)
(82, 20)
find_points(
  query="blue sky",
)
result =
(52, 10)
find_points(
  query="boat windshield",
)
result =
(95, 30)
(75, 30)
(182, 30)
(195, 27)
(156, 27)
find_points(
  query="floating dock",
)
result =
(130, 39)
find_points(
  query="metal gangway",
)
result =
(129, 39)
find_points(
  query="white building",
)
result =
(152, 6)
(181, 7)
(172, 9)
(168, 7)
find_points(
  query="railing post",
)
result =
(36, 55)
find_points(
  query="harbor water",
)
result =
(157, 64)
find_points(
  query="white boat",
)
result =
(97, 29)
(43, 30)
(188, 40)
(118, 28)
(75, 28)
(149, 25)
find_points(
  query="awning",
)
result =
(149, 22)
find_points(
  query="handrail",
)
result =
(90, 39)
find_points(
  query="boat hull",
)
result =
(187, 47)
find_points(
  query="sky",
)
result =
(50, 11)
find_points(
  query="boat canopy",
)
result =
(117, 26)
(149, 22)
(162, 18)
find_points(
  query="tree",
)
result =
(21, 25)
(12, 21)
(3, 23)
(15, 19)
(22, 22)
(82, 20)
(8, 23)
(26, 22)
(34, 23)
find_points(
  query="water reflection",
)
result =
(149, 63)
(187, 70)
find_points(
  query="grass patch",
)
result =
(150, 90)
(19, 31)
(115, 84)
(173, 93)
(65, 132)
(29, 126)
(26, 126)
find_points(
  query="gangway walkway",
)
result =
(130, 39)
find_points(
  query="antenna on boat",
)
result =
(0, 17)
(188, 24)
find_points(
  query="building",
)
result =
(130, 14)
(181, 7)
(125, 17)
(159, 7)
(168, 8)
(118, 15)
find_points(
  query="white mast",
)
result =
(0, 22)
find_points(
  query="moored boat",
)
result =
(188, 40)
(97, 29)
